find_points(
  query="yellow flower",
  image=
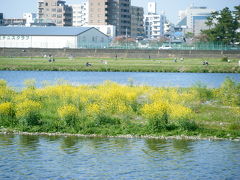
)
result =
(7, 109)
(68, 111)
(27, 107)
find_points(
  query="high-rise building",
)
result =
(118, 14)
(137, 29)
(55, 11)
(80, 14)
(109, 12)
(193, 19)
(154, 23)
(97, 12)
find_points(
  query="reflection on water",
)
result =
(28, 142)
(183, 146)
(59, 157)
(6, 140)
(69, 144)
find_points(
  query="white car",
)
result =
(165, 47)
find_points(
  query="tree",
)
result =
(223, 26)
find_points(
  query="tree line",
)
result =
(223, 26)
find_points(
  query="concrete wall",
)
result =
(111, 53)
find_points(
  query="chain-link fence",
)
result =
(182, 46)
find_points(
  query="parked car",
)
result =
(165, 47)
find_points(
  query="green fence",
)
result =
(174, 46)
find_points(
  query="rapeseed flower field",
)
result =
(112, 109)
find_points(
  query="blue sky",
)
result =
(15, 8)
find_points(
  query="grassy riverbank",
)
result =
(113, 109)
(124, 65)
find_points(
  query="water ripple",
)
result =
(42, 157)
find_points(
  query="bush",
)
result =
(225, 59)
(229, 93)
(187, 125)
(28, 112)
(234, 126)
(7, 114)
(103, 119)
(7, 109)
(3, 83)
(159, 123)
(202, 92)
(69, 113)
(30, 84)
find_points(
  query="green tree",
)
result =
(223, 26)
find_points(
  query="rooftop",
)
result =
(43, 31)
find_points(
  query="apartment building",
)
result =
(100, 13)
(118, 14)
(97, 12)
(137, 15)
(80, 14)
(55, 11)
(193, 19)
(154, 23)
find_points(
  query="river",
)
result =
(212, 80)
(59, 157)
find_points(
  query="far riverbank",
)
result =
(171, 64)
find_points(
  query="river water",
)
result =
(58, 157)
(16, 78)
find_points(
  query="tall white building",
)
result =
(193, 19)
(153, 22)
(81, 17)
(80, 14)
(30, 18)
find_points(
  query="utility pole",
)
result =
(127, 37)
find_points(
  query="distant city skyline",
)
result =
(15, 9)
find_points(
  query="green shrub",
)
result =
(234, 126)
(103, 119)
(202, 92)
(187, 125)
(225, 59)
(28, 112)
(159, 123)
(229, 93)
(69, 113)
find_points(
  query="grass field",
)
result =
(120, 64)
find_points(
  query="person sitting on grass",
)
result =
(88, 64)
